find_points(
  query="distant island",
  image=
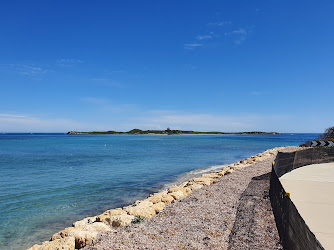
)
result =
(169, 131)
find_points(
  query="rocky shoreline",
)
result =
(87, 232)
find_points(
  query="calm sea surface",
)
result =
(48, 181)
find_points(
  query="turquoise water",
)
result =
(48, 181)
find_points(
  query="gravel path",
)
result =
(233, 213)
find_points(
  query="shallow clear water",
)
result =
(47, 181)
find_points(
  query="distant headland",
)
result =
(169, 131)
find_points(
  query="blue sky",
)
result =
(200, 65)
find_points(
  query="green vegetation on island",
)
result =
(169, 131)
(328, 134)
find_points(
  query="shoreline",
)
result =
(168, 131)
(84, 232)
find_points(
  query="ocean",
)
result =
(48, 181)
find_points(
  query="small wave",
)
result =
(193, 174)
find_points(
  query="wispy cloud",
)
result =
(220, 23)
(12, 116)
(69, 61)
(211, 122)
(239, 31)
(239, 35)
(204, 37)
(192, 45)
(27, 123)
(24, 69)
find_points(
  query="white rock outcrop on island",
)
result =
(84, 232)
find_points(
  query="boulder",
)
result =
(211, 175)
(184, 184)
(107, 215)
(141, 208)
(156, 198)
(83, 238)
(85, 221)
(195, 186)
(205, 181)
(167, 198)
(67, 243)
(177, 195)
(186, 190)
(158, 207)
(62, 234)
(173, 189)
(229, 171)
(97, 226)
(122, 220)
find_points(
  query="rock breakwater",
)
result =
(84, 232)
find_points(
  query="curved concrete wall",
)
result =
(294, 232)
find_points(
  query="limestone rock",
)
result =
(167, 198)
(83, 238)
(122, 220)
(205, 181)
(158, 207)
(195, 186)
(186, 190)
(147, 212)
(236, 167)
(107, 215)
(67, 243)
(224, 170)
(184, 184)
(62, 234)
(142, 208)
(177, 195)
(229, 171)
(86, 221)
(173, 189)
(211, 175)
(97, 226)
(156, 198)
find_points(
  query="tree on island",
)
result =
(168, 131)
(329, 134)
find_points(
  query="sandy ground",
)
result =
(233, 213)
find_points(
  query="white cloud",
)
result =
(24, 69)
(131, 118)
(12, 116)
(211, 122)
(192, 45)
(25, 123)
(239, 31)
(204, 37)
(69, 62)
(221, 23)
(240, 35)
